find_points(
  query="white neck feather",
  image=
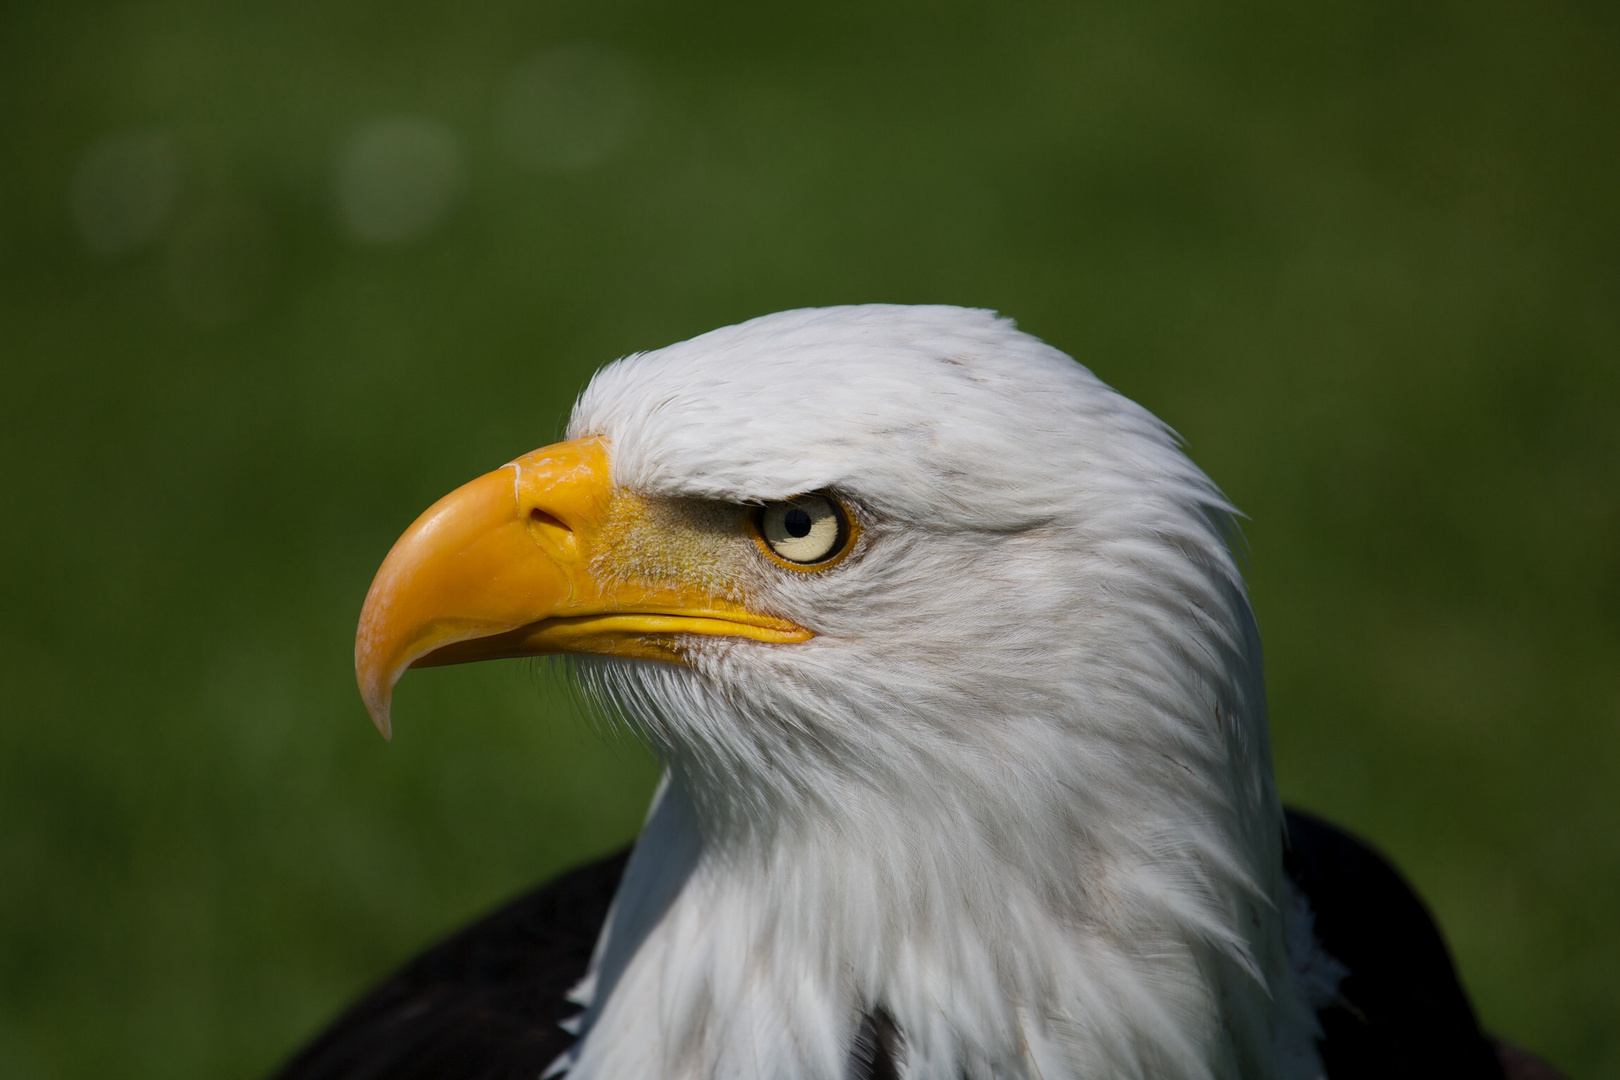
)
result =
(750, 964)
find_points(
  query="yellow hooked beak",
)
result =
(509, 565)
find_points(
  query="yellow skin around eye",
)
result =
(695, 542)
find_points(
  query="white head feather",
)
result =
(1016, 792)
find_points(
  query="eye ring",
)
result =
(807, 533)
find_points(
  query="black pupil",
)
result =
(796, 522)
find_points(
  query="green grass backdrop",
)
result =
(273, 277)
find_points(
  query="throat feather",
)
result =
(812, 958)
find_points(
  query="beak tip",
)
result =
(379, 699)
(375, 670)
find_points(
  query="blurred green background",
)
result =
(274, 277)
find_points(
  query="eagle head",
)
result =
(945, 650)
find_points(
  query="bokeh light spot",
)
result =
(397, 179)
(124, 191)
(569, 107)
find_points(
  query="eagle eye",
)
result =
(809, 532)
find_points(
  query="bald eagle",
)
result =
(947, 657)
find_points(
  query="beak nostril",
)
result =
(540, 517)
